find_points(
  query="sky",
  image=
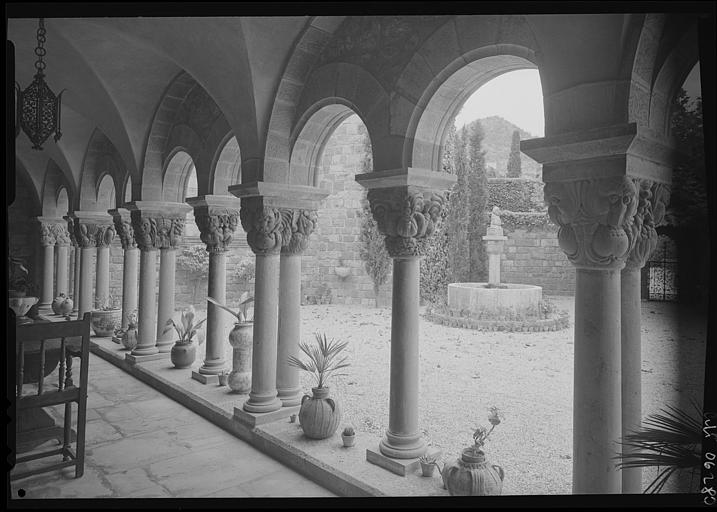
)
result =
(517, 96)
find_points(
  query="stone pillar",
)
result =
(89, 228)
(407, 206)
(76, 262)
(652, 201)
(156, 225)
(590, 188)
(269, 215)
(62, 243)
(123, 227)
(105, 235)
(217, 218)
(165, 308)
(303, 223)
(47, 242)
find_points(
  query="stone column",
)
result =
(76, 262)
(217, 218)
(652, 201)
(89, 227)
(407, 206)
(156, 225)
(47, 242)
(303, 223)
(123, 227)
(494, 240)
(269, 218)
(105, 235)
(62, 243)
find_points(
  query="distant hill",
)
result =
(496, 144)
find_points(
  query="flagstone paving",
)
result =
(143, 444)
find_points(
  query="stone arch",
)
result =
(101, 159)
(226, 166)
(178, 168)
(24, 180)
(63, 201)
(452, 64)
(106, 195)
(53, 184)
(127, 189)
(308, 144)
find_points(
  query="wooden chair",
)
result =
(72, 340)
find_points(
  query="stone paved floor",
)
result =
(141, 444)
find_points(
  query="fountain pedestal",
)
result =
(494, 248)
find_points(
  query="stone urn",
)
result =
(62, 305)
(472, 475)
(129, 337)
(106, 322)
(319, 415)
(241, 339)
(183, 354)
(21, 305)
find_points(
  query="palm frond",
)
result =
(322, 358)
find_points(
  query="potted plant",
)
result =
(128, 337)
(62, 305)
(428, 464)
(107, 316)
(320, 415)
(241, 338)
(670, 440)
(471, 474)
(348, 436)
(223, 378)
(184, 350)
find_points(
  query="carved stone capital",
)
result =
(264, 226)
(157, 232)
(124, 229)
(86, 233)
(216, 227)
(47, 233)
(71, 231)
(593, 216)
(406, 216)
(301, 223)
(62, 236)
(652, 204)
(105, 234)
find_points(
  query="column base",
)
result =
(400, 467)
(135, 359)
(402, 447)
(205, 379)
(290, 397)
(165, 346)
(252, 420)
(213, 367)
(258, 404)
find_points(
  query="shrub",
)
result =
(377, 262)
(194, 260)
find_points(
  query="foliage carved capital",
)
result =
(593, 216)
(406, 216)
(652, 204)
(301, 223)
(62, 236)
(125, 231)
(47, 233)
(157, 232)
(86, 233)
(217, 228)
(265, 227)
(104, 235)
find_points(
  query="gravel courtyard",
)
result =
(528, 376)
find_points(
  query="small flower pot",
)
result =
(223, 379)
(348, 440)
(427, 468)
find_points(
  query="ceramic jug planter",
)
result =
(472, 475)
(241, 339)
(106, 322)
(319, 415)
(129, 338)
(183, 356)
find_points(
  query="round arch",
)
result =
(63, 202)
(106, 198)
(178, 168)
(226, 166)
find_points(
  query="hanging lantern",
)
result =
(38, 109)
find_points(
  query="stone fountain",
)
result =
(493, 299)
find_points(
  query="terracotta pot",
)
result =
(183, 355)
(241, 338)
(427, 468)
(105, 323)
(319, 415)
(129, 338)
(348, 440)
(223, 379)
(472, 475)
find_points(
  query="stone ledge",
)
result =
(133, 359)
(205, 379)
(251, 419)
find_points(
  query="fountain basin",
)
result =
(479, 301)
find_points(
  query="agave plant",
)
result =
(188, 329)
(323, 358)
(670, 440)
(242, 313)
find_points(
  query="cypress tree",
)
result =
(478, 200)
(514, 156)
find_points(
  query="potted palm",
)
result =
(320, 415)
(471, 474)
(671, 441)
(107, 316)
(184, 350)
(240, 338)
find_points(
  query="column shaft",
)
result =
(631, 350)
(216, 338)
(596, 402)
(62, 269)
(48, 252)
(287, 377)
(262, 397)
(165, 310)
(102, 286)
(76, 279)
(129, 284)
(85, 302)
(403, 439)
(147, 318)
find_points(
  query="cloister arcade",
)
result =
(149, 100)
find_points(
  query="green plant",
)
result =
(107, 303)
(480, 435)
(194, 260)
(427, 459)
(513, 170)
(323, 358)
(348, 431)
(187, 329)
(242, 313)
(670, 440)
(245, 271)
